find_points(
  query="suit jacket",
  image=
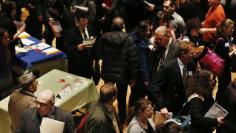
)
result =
(30, 121)
(19, 101)
(79, 62)
(171, 54)
(166, 88)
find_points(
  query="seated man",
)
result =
(22, 98)
(31, 118)
(102, 117)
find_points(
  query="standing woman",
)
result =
(6, 80)
(142, 121)
(223, 47)
(141, 37)
(199, 92)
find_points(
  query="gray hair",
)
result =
(163, 30)
(26, 80)
(46, 96)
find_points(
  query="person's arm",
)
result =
(144, 67)
(92, 11)
(197, 114)
(205, 30)
(110, 10)
(156, 90)
(69, 124)
(21, 128)
(70, 44)
(132, 55)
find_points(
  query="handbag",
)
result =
(212, 62)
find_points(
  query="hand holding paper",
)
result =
(216, 111)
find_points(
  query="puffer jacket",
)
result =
(119, 55)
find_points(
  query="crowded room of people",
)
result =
(117, 66)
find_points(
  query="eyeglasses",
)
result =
(160, 38)
(42, 105)
(166, 7)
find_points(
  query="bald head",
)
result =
(117, 24)
(46, 96)
(107, 92)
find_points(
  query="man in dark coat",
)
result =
(31, 118)
(80, 60)
(166, 47)
(120, 62)
(167, 86)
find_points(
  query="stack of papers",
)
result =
(40, 46)
(51, 50)
(27, 42)
(20, 50)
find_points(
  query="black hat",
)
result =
(81, 12)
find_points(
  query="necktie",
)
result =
(162, 60)
(85, 35)
(184, 73)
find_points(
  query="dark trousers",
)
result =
(139, 90)
(121, 98)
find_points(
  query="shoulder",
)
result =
(97, 113)
(29, 112)
(220, 8)
(134, 126)
(63, 113)
(177, 17)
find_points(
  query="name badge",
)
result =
(190, 73)
(227, 44)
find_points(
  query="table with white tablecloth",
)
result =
(71, 91)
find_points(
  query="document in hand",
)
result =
(51, 126)
(89, 42)
(216, 111)
(160, 118)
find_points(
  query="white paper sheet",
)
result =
(65, 91)
(20, 50)
(40, 46)
(51, 126)
(89, 42)
(51, 50)
(216, 111)
(27, 42)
